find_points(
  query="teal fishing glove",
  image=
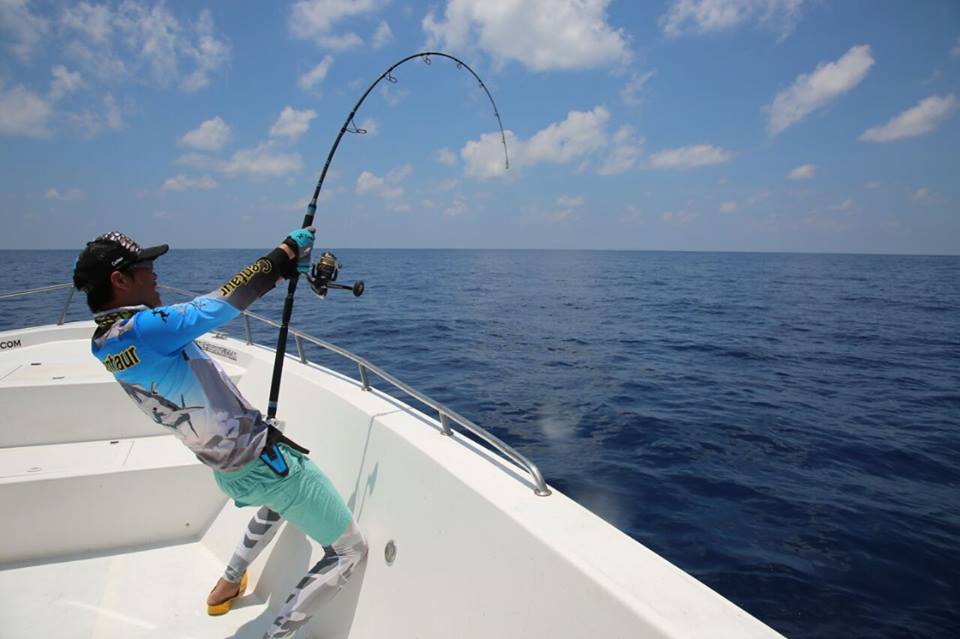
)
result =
(301, 241)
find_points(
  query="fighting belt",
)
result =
(272, 455)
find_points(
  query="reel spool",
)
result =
(323, 276)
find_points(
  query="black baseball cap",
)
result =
(110, 252)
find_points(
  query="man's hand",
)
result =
(299, 246)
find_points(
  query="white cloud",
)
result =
(142, 42)
(679, 217)
(446, 156)
(211, 135)
(292, 123)
(920, 119)
(113, 117)
(99, 62)
(22, 112)
(540, 34)
(955, 51)
(803, 172)
(704, 16)
(631, 91)
(446, 185)
(92, 123)
(927, 196)
(315, 75)
(157, 30)
(67, 196)
(457, 208)
(570, 202)
(933, 77)
(565, 209)
(627, 149)
(558, 213)
(23, 29)
(846, 205)
(387, 188)
(368, 182)
(872, 185)
(262, 161)
(314, 20)
(208, 53)
(687, 157)
(183, 183)
(63, 82)
(383, 35)
(812, 91)
(399, 174)
(581, 133)
(393, 96)
(758, 197)
(728, 207)
(95, 22)
(484, 157)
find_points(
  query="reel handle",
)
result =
(357, 287)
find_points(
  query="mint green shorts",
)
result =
(305, 497)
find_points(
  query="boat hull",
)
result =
(459, 542)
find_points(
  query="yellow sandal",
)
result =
(224, 608)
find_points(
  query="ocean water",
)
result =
(784, 427)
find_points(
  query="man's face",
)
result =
(143, 285)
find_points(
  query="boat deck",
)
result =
(115, 597)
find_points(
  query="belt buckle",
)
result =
(277, 463)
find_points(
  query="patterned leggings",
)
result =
(318, 586)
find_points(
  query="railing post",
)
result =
(246, 321)
(63, 315)
(303, 357)
(365, 383)
(445, 425)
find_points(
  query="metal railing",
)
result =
(446, 415)
(44, 289)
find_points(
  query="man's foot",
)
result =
(221, 597)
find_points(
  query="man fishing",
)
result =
(149, 348)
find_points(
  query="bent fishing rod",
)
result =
(323, 273)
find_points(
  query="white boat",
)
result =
(113, 530)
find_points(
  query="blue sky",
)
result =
(733, 125)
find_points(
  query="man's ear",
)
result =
(120, 281)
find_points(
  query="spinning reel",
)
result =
(323, 276)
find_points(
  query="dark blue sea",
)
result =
(784, 427)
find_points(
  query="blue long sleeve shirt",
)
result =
(152, 354)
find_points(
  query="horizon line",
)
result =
(606, 250)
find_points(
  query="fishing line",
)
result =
(328, 268)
